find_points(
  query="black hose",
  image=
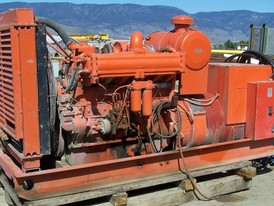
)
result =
(71, 82)
(56, 27)
(265, 59)
(247, 55)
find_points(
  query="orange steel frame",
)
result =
(91, 176)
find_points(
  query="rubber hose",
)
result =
(71, 82)
(56, 27)
(251, 54)
(265, 58)
(242, 58)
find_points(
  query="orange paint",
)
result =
(114, 109)
(230, 80)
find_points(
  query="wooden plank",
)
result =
(177, 196)
(217, 169)
(92, 194)
(247, 172)
(137, 185)
(119, 199)
(9, 190)
(223, 185)
(161, 198)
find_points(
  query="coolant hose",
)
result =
(56, 27)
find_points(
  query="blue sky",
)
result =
(191, 6)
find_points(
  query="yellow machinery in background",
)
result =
(90, 37)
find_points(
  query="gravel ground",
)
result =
(261, 193)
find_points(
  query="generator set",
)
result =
(125, 113)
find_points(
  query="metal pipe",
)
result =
(54, 40)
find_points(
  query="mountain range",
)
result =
(120, 20)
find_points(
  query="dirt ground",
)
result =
(261, 193)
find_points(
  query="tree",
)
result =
(229, 45)
(220, 46)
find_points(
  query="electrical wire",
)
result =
(157, 110)
(190, 117)
(203, 103)
(152, 142)
(204, 100)
(159, 135)
(187, 172)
